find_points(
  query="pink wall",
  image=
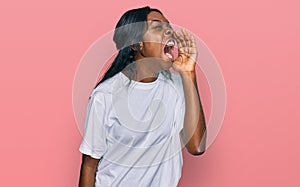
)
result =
(256, 44)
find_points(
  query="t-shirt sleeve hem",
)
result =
(84, 150)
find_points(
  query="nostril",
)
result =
(168, 32)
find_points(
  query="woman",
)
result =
(138, 113)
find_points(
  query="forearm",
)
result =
(87, 177)
(87, 172)
(194, 131)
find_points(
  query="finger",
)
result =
(187, 39)
(186, 51)
(193, 51)
(181, 38)
(178, 40)
(180, 43)
(185, 36)
(193, 42)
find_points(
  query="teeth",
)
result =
(169, 55)
(170, 43)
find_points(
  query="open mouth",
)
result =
(169, 49)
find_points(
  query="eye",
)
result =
(158, 27)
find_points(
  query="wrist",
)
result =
(187, 73)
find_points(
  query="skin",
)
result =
(148, 65)
(88, 171)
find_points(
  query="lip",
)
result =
(168, 49)
(170, 40)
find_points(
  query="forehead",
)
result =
(156, 16)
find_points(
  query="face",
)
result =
(158, 41)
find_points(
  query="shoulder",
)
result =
(106, 87)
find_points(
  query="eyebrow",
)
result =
(157, 20)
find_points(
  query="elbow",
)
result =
(196, 152)
(197, 149)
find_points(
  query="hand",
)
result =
(187, 52)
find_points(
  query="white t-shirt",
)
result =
(134, 131)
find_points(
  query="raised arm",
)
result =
(194, 131)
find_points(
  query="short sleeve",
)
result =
(94, 136)
(179, 114)
(180, 105)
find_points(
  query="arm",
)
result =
(88, 171)
(194, 131)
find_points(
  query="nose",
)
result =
(169, 32)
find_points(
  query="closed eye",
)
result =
(158, 27)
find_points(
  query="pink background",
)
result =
(256, 44)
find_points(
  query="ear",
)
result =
(140, 45)
(137, 47)
(133, 47)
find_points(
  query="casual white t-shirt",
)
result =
(134, 131)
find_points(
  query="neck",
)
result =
(145, 73)
(142, 71)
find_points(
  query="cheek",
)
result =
(153, 45)
(153, 48)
